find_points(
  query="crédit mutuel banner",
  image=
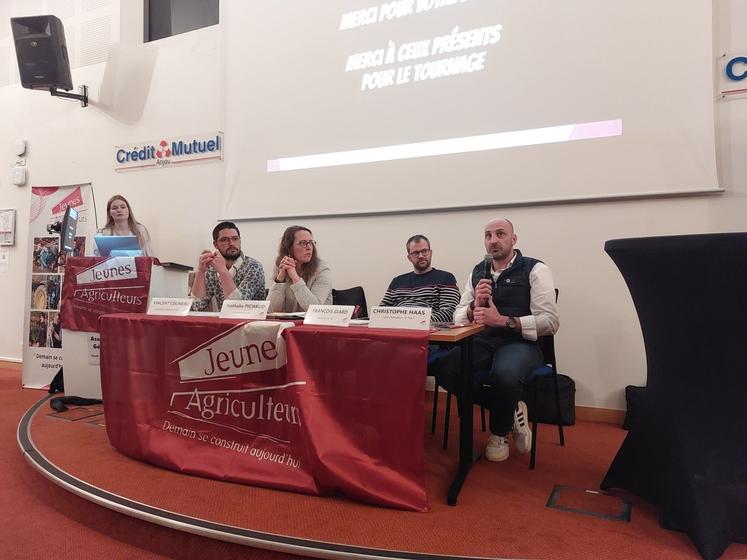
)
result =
(165, 152)
(42, 347)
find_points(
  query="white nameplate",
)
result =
(169, 306)
(244, 309)
(333, 315)
(416, 318)
(94, 342)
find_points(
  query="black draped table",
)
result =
(687, 450)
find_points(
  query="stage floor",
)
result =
(502, 512)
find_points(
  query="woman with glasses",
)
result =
(301, 278)
(121, 221)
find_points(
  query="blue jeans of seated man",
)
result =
(435, 354)
(509, 363)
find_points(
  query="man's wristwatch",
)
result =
(511, 323)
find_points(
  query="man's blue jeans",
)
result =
(502, 367)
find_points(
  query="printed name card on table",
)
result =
(416, 318)
(244, 309)
(169, 306)
(331, 315)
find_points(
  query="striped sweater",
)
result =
(436, 289)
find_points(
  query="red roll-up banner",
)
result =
(42, 348)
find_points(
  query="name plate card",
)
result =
(415, 318)
(169, 306)
(331, 315)
(244, 309)
(94, 344)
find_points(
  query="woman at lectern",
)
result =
(301, 278)
(121, 221)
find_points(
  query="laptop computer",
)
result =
(118, 246)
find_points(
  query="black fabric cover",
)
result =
(687, 449)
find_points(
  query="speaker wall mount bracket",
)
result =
(82, 96)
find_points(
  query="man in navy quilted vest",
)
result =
(514, 297)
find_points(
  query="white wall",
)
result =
(175, 89)
(729, 213)
(599, 343)
(142, 93)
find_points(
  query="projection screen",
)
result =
(357, 106)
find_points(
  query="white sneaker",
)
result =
(497, 448)
(521, 432)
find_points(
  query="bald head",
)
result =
(500, 240)
(500, 222)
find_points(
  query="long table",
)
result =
(318, 410)
(341, 407)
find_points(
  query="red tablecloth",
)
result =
(216, 397)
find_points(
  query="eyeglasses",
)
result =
(422, 252)
(234, 239)
(306, 243)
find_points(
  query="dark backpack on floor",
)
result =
(546, 412)
(635, 400)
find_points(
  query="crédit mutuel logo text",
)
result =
(115, 268)
(166, 152)
(245, 349)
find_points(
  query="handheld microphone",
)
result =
(487, 274)
(488, 264)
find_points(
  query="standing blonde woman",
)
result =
(121, 221)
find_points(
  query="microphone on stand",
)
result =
(487, 273)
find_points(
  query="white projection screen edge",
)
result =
(349, 107)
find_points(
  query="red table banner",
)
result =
(316, 410)
(97, 285)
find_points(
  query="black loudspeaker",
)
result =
(42, 52)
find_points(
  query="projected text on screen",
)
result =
(440, 56)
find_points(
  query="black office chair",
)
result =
(550, 368)
(352, 296)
